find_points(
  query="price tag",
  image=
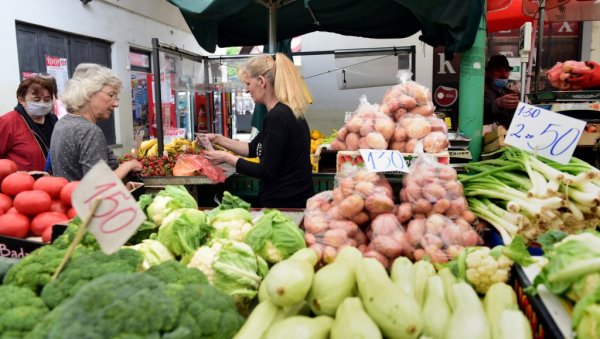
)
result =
(118, 216)
(554, 136)
(383, 161)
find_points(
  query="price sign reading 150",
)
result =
(551, 135)
(383, 161)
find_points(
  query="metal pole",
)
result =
(472, 79)
(157, 96)
(538, 52)
(272, 27)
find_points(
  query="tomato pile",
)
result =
(29, 207)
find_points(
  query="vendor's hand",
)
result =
(219, 157)
(508, 101)
(586, 78)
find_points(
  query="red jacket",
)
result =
(18, 144)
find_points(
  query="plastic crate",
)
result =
(543, 325)
(242, 186)
(322, 182)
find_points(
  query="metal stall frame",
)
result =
(158, 46)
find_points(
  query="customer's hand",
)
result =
(219, 157)
(134, 165)
(586, 78)
(508, 101)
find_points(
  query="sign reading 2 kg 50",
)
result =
(553, 136)
(117, 217)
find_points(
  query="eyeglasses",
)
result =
(113, 96)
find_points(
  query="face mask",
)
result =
(38, 109)
(500, 83)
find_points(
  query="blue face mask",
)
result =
(500, 83)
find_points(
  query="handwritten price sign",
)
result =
(383, 161)
(554, 136)
(118, 216)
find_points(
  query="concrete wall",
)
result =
(125, 23)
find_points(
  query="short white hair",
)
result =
(87, 80)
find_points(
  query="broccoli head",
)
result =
(36, 269)
(173, 272)
(85, 268)
(114, 305)
(204, 312)
(140, 305)
(65, 239)
(20, 310)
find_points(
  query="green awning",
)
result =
(224, 23)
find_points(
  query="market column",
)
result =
(470, 97)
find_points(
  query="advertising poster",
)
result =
(139, 102)
(444, 90)
(58, 68)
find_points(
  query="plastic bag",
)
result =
(432, 188)
(411, 129)
(407, 97)
(324, 233)
(368, 128)
(387, 240)
(196, 164)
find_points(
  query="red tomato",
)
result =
(16, 183)
(7, 167)
(32, 202)
(2, 211)
(58, 206)
(14, 225)
(12, 210)
(67, 192)
(71, 213)
(47, 235)
(5, 202)
(50, 185)
(45, 220)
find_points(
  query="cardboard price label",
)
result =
(384, 161)
(553, 136)
(118, 216)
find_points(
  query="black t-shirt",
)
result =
(285, 173)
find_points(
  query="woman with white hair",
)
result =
(77, 142)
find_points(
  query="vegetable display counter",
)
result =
(200, 187)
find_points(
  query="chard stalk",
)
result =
(575, 270)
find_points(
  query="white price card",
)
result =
(553, 136)
(118, 216)
(383, 161)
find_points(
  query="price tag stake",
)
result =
(384, 160)
(119, 216)
(553, 135)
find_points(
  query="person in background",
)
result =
(78, 143)
(499, 102)
(283, 143)
(27, 130)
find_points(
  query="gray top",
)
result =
(77, 145)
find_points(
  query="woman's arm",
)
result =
(126, 167)
(239, 147)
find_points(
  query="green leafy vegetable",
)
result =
(275, 236)
(183, 231)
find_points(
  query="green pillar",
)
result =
(470, 96)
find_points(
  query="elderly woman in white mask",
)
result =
(26, 131)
